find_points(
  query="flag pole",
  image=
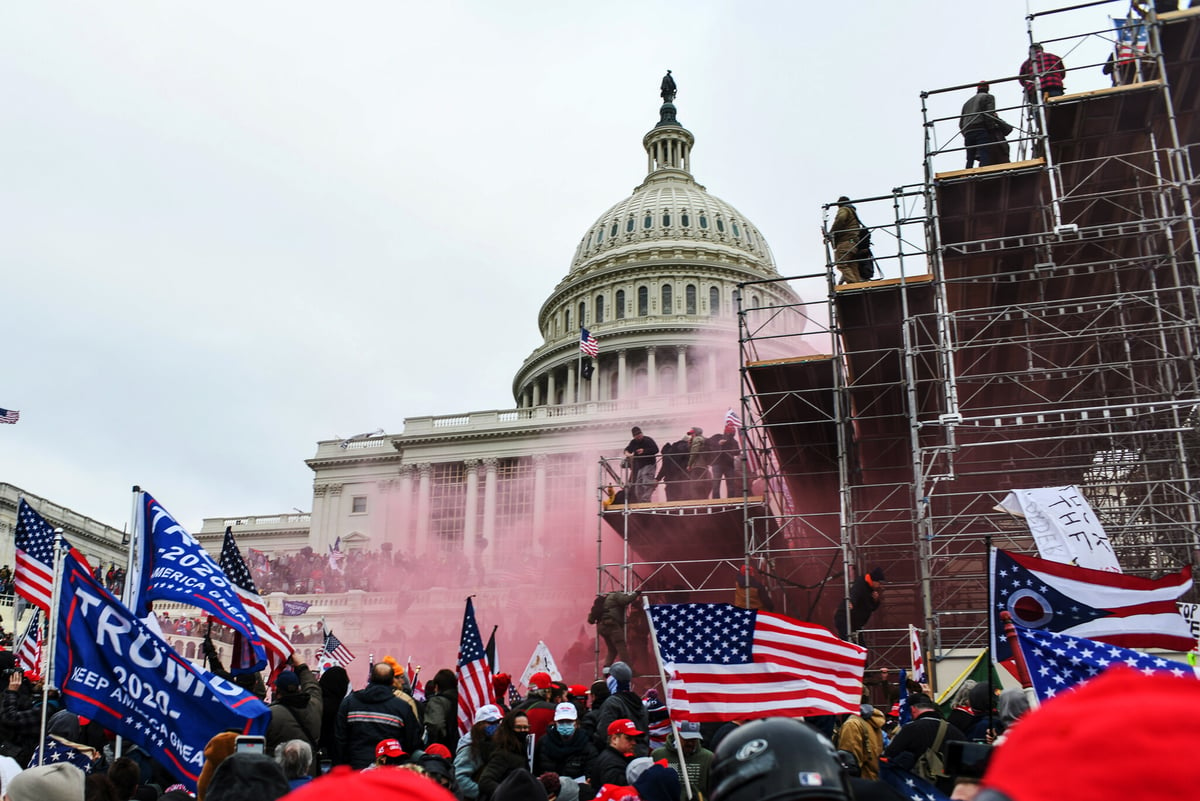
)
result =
(1010, 634)
(579, 367)
(127, 591)
(662, 674)
(51, 640)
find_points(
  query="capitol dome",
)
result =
(654, 280)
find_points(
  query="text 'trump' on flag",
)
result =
(724, 663)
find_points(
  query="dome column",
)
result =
(537, 391)
(571, 397)
(622, 382)
(681, 382)
(651, 372)
(551, 387)
(425, 470)
(489, 511)
(594, 384)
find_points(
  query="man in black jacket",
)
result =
(913, 740)
(441, 710)
(609, 765)
(297, 707)
(622, 704)
(372, 714)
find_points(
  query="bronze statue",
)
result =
(668, 88)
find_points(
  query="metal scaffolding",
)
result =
(1035, 325)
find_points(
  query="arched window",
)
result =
(703, 220)
(666, 299)
(620, 309)
(600, 235)
(666, 219)
(643, 301)
(720, 225)
(689, 298)
(567, 320)
(684, 220)
(614, 230)
(714, 301)
(647, 221)
(582, 313)
(737, 232)
(629, 226)
(599, 309)
(614, 386)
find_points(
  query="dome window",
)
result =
(600, 235)
(703, 221)
(649, 221)
(629, 226)
(599, 309)
(567, 320)
(720, 225)
(684, 220)
(582, 313)
(714, 301)
(666, 219)
(737, 232)
(616, 227)
(689, 295)
(666, 299)
(643, 301)
(619, 310)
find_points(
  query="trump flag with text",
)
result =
(725, 663)
(112, 669)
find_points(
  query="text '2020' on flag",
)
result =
(110, 667)
(1118, 609)
(170, 565)
(725, 663)
(474, 674)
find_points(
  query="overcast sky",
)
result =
(230, 230)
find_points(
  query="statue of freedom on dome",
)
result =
(668, 88)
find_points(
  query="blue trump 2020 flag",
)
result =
(113, 669)
(171, 565)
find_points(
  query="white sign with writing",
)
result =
(1063, 526)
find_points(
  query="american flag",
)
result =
(732, 419)
(588, 343)
(336, 651)
(9, 416)
(29, 649)
(53, 751)
(34, 576)
(474, 675)
(913, 788)
(903, 710)
(728, 663)
(274, 641)
(1060, 662)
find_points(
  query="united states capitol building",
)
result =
(503, 504)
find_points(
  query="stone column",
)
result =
(471, 507)
(487, 549)
(622, 381)
(402, 524)
(651, 372)
(539, 500)
(594, 394)
(318, 525)
(423, 491)
(551, 388)
(572, 369)
(681, 382)
(333, 512)
(537, 391)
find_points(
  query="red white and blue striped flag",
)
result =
(33, 579)
(732, 419)
(29, 649)
(9, 416)
(474, 674)
(335, 651)
(588, 343)
(274, 641)
(727, 663)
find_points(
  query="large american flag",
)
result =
(34, 541)
(335, 651)
(1059, 662)
(588, 343)
(728, 663)
(9, 416)
(29, 649)
(274, 641)
(474, 674)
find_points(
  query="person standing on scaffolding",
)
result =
(981, 128)
(848, 234)
(640, 455)
(1042, 70)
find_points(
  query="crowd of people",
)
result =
(328, 740)
(693, 467)
(309, 572)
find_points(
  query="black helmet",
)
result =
(776, 760)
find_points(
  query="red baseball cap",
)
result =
(437, 749)
(540, 681)
(389, 748)
(623, 726)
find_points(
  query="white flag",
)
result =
(1063, 526)
(540, 662)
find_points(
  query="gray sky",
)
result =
(230, 230)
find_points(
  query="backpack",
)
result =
(930, 766)
(597, 610)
